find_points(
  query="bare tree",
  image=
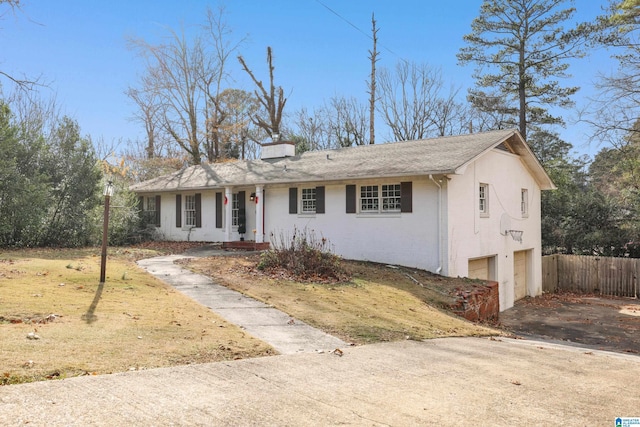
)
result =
(23, 83)
(148, 115)
(35, 115)
(237, 132)
(614, 111)
(273, 101)
(184, 79)
(347, 122)
(313, 128)
(172, 78)
(222, 47)
(414, 103)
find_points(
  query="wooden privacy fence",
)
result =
(591, 274)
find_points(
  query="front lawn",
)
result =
(57, 322)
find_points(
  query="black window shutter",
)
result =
(293, 200)
(242, 195)
(198, 210)
(178, 210)
(158, 210)
(319, 199)
(141, 205)
(218, 210)
(351, 198)
(406, 197)
(242, 212)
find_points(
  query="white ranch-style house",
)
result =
(465, 205)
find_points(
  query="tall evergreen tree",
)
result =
(520, 49)
(614, 112)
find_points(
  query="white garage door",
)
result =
(479, 269)
(520, 274)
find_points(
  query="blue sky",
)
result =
(79, 46)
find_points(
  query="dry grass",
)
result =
(378, 304)
(133, 322)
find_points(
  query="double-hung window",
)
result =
(369, 199)
(308, 200)
(235, 209)
(483, 199)
(385, 198)
(150, 209)
(190, 211)
(524, 202)
(391, 200)
(380, 198)
(151, 206)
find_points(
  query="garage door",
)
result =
(520, 274)
(479, 268)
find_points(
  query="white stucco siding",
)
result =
(408, 238)
(472, 235)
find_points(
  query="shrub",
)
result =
(304, 255)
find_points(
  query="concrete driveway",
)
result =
(451, 381)
(602, 323)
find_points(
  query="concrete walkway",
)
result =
(281, 331)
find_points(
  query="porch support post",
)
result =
(228, 197)
(259, 214)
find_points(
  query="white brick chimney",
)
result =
(279, 149)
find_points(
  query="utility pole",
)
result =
(108, 192)
(373, 56)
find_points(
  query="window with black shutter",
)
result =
(320, 200)
(293, 200)
(406, 195)
(178, 210)
(198, 210)
(219, 206)
(351, 198)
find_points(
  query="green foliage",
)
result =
(520, 49)
(126, 225)
(73, 193)
(578, 218)
(48, 182)
(304, 255)
(615, 172)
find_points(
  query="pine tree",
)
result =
(520, 50)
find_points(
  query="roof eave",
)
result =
(522, 149)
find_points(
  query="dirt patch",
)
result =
(601, 322)
(169, 248)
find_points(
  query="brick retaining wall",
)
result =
(482, 303)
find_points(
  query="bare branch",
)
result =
(273, 101)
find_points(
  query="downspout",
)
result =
(439, 269)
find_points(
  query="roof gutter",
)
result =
(439, 269)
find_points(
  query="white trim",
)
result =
(483, 195)
(259, 202)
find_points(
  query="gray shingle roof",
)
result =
(445, 155)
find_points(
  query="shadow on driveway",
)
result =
(602, 323)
